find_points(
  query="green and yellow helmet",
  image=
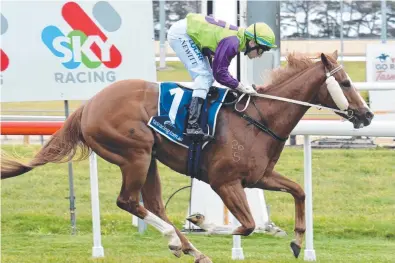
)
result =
(262, 34)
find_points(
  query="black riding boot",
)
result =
(193, 128)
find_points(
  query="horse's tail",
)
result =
(61, 147)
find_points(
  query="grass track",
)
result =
(354, 211)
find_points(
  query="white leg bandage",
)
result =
(165, 228)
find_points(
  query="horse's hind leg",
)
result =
(134, 174)
(234, 198)
(152, 197)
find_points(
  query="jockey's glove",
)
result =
(246, 89)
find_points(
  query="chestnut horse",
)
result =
(113, 124)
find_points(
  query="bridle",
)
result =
(348, 113)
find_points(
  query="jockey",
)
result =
(198, 36)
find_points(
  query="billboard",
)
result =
(65, 50)
(380, 67)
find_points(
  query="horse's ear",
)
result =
(324, 60)
(335, 55)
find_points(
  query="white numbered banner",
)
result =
(380, 67)
(64, 50)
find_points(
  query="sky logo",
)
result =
(4, 60)
(86, 43)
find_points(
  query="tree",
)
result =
(175, 10)
(370, 22)
(295, 17)
(305, 19)
(328, 19)
(350, 23)
(391, 19)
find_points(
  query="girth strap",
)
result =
(260, 126)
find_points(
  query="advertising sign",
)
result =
(380, 67)
(64, 50)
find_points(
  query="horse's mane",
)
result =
(296, 62)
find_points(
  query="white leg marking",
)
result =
(165, 228)
(194, 252)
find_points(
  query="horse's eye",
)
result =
(345, 84)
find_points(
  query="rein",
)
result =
(301, 103)
(263, 127)
(328, 74)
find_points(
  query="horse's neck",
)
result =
(282, 117)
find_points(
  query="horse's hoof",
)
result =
(203, 259)
(295, 248)
(177, 251)
(243, 231)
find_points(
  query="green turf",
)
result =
(354, 211)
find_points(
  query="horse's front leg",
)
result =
(276, 182)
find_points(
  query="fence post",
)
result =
(71, 183)
(237, 250)
(309, 252)
(97, 249)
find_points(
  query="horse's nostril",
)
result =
(369, 115)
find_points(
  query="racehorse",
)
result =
(113, 124)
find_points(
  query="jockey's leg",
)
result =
(197, 66)
(195, 108)
(202, 84)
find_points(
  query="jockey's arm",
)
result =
(227, 49)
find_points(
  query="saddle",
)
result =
(196, 145)
(172, 118)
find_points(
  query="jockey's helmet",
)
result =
(262, 34)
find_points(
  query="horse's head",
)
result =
(339, 92)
